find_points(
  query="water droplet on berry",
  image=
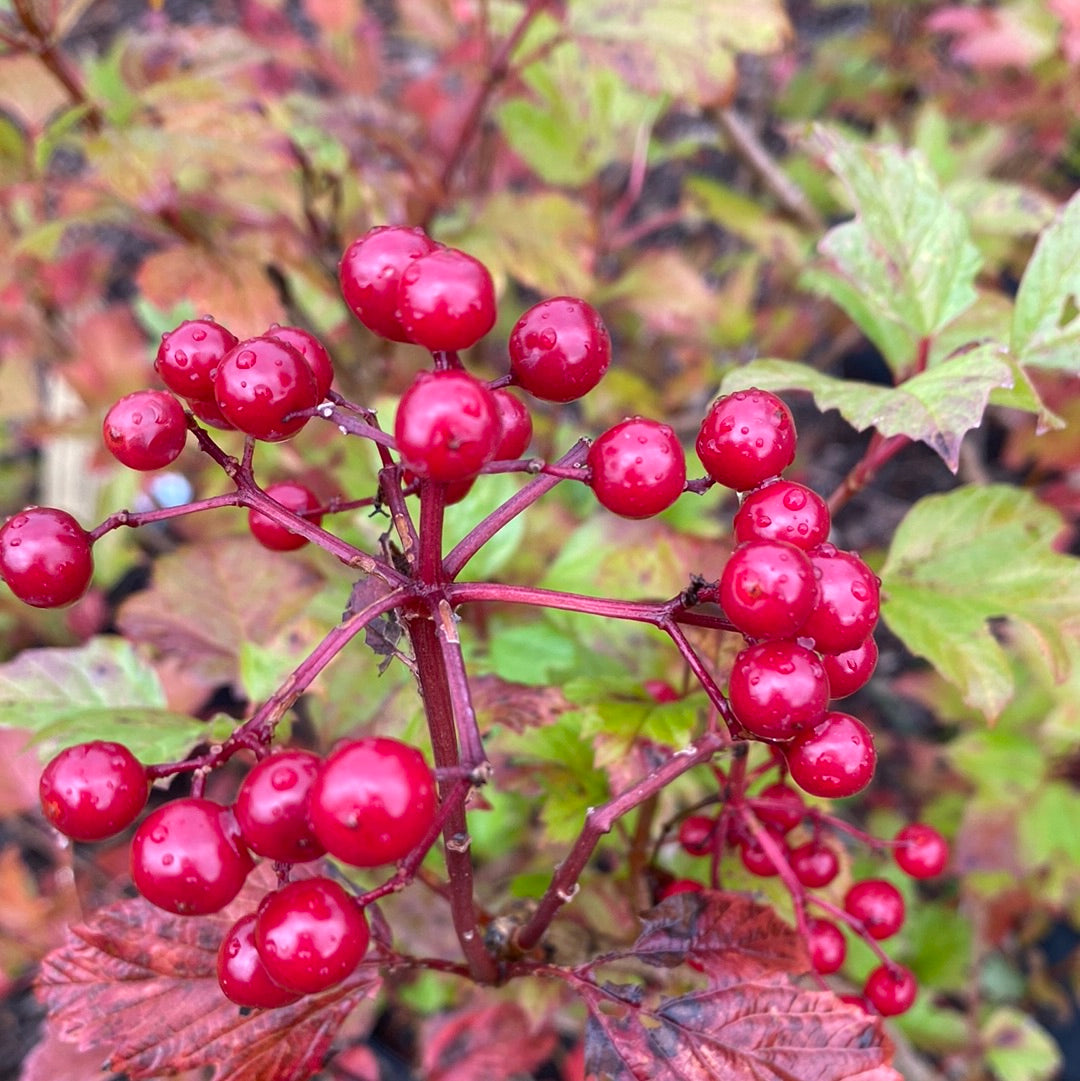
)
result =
(159, 834)
(167, 860)
(284, 778)
(181, 358)
(246, 358)
(859, 591)
(794, 499)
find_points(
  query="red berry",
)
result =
(848, 600)
(777, 688)
(834, 759)
(45, 557)
(756, 860)
(515, 426)
(826, 946)
(373, 801)
(697, 835)
(370, 273)
(312, 350)
(209, 413)
(779, 807)
(559, 349)
(660, 691)
(310, 934)
(680, 885)
(241, 974)
(815, 864)
(271, 807)
(921, 851)
(262, 381)
(637, 468)
(783, 511)
(93, 790)
(891, 989)
(446, 300)
(189, 355)
(851, 670)
(746, 438)
(291, 496)
(878, 905)
(447, 426)
(768, 589)
(145, 430)
(187, 857)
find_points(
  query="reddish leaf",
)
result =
(515, 706)
(492, 1042)
(141, 985)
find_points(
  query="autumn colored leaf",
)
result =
(141, 986)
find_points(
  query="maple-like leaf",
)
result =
(140, 986)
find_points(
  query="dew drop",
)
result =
(246, 359)
(198, 335)
(167, 860)
(794, 499)
(283, 779)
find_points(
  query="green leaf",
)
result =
(906, 266)
(961, 559)
(486, 495)
(535, 653)
(1018, 1048)
(102, 690)
(1046, 319)
(937, 406)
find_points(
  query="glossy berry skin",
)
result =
(145, 430)
(515, 426)
(826, 946)
(697, 835)
(851, 670)
(848, 601)
(834, 759)
(779, 807)
(370, 274)
(291, 496)
(815, 864)
(756, 860)
(447, 426)
(637, 468)
(767, 589)
(187, 857)
(776, 689)
(921, 851)
(241, 974)
(262, 381)
(784, 511)
(446, 300)
(93, 790)
(189, 355)
(891, 990)
(373, 801)
(271, 807)
(209, 413)
(746, 438)
(312, 350)
(45, 557)
(559, 349)
(878, 905)
(311, 934)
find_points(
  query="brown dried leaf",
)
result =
(515, 705)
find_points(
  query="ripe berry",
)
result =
(680, 885)
(834, 759)
(851, 670)
(768, 589)
(312, 350)
(559, 349)
(45, 557)
(446, 300)
(878, 905)
(291, 496)
(271, 807)
(891, 989)
(637, 468)
(145, 430)
(815, 864)
(826, 946)
(209, 413)
(783, 511)
(697, 835)
(189, 355)
(746, 438)
(262, 381)
(756, 860)
(848, 601)
(921, 851)
(660, 691)
(187, 857)
(310, 934)
(515, 426)
(370, 273)
(373, 801)
(241, 974)
(777, 688)
(447, 426)
(93, 790)
(779, 807)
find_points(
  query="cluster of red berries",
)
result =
(371, 802)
